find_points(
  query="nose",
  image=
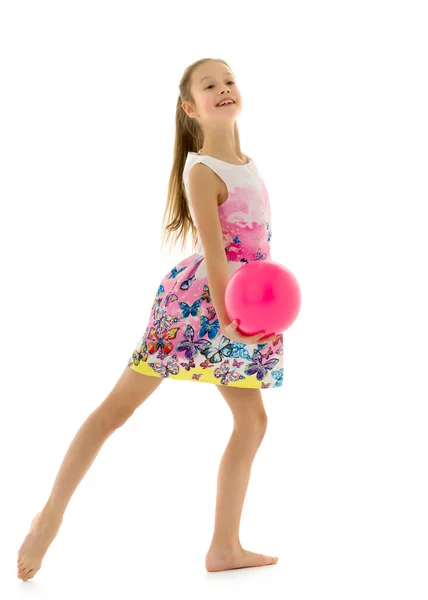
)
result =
(225, 92)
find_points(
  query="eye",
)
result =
(213, 84)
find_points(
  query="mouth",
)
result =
(231, 103)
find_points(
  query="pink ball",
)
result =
(262, 295)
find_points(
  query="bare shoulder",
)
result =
(201, 176)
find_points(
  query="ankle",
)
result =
(52, 513)
(225, 546)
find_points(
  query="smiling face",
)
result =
(213, 82)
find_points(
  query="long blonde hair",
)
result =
(188, 138)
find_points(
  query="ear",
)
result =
(191, 110)
(188, 108)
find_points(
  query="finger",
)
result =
(256, 338)
(248, 339)
(268, 339)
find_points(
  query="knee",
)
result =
(262, 424)
(111, 419)
(254, 425)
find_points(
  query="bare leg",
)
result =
(130, 391)
(226, 551)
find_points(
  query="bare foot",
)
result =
(43, 531)
(218, 560)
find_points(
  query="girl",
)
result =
(189, 335)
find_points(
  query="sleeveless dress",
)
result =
(183, 339)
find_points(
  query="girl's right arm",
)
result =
(204, 190)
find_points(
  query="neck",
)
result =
(222, 142)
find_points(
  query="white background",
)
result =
(334, 115)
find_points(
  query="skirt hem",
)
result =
(204, 376)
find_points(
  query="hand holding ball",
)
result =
(263, 295)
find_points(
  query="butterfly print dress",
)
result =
(183, 339)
